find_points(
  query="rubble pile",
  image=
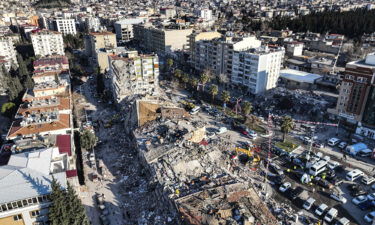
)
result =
(281, 101)
(197, 176)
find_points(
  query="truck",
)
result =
(356, 148)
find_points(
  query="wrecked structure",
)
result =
(133, 75)
(196, 175)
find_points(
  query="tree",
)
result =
(204, 78)
(214, 90)
(170, 63)
(247, 108)
(88, 140)
(185, 79)
(286, 126)
(22, 67)
(225, 96)
(8, 109)
(194, 82)
(223, 79)
(66, 208)
(177, 73)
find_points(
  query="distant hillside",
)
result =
(52, 3)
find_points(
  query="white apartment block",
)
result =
(216, 54)
(257, 69)
(205, 14)
(65, 26)
(47, 42)
(8, 52)
(133, 75)
(124, 28)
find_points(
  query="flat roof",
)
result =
(299, 76)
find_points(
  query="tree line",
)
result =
(352, 24)
(52, 3)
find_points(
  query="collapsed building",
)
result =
(194, 174)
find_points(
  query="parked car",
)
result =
(317, 145)
(285, 186)
(276, 169)
(338, 197)
(335, 180)
(356, 190)
(369, 204)
(323, 183)
(371, 196)
(308, 203)
(333, 141)
(331, 214)
(295, 192)
(342, 145)
(367, 180)
(342, 221)
(365, 152)
(321, 209)
(359, 199)
(369, 217)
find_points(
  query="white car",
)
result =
(342, 145)
(333, 164)
(308, 204)
(371, 196)
(359, 199)
(320, 210)
(369, 217)
(285, 186)
(338, 198)
(367, 180)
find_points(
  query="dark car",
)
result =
(278, 151)
(356, 190)
(335, 180)
(367, 205)
(293, 194)
(317, 145)
(322, 182)
(274, 168)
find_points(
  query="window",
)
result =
(17, 217)
(34, 213)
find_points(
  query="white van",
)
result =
(195, 110)
(331, 214)
(354, 174)
(318, 167)
(320, 210)
(333, 141)
(309, 202)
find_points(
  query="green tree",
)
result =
(185, 79)
(286, 126)
(204, 78)
(22, 67)
(177, 73)
(225, 96)
(169, 63)
(214, 90)
(8, 109)
(88, 140)
(66, 208)
(194, 82)
(247, 107)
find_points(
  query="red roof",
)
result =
(64, 144)
(71, 173)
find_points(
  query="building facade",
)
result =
(257, 69)
(8, 51)
(356, 102)
(47, 43)
(161, 40)
(65, 26)
(124, 28)
(133, 75)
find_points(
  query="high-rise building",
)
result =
(133, 74)
(216, 54)
(8, 51)
(257, 69)
(356, 102)
(98, 40)
(65, 26)
(47, 42)
(124, 28)
(161, 40)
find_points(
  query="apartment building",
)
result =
(8, 50)
(51, 63)
(46, 42)
(257, 69)
(133, 75)
(124, 28)
(98, 40)
(356, 102)
(64, 26)
(216, 54)
(161, 40)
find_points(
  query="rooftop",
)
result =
(299, 76)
